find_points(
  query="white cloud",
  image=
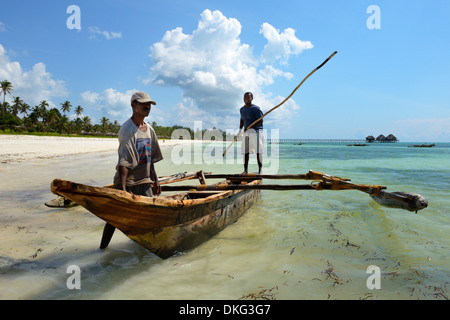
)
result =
(2, 27)
(281, 45)
(112, 104)
(90, 97)
(107, 34)
(31, 86)
(213, 68)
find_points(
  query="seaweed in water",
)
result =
(265, 294)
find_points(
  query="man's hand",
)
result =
(156, 188)
(154, 177)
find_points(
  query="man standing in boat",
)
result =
(138, 152)
(253, 139)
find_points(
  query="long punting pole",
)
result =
(279, 105)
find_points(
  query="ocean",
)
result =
(290, 245)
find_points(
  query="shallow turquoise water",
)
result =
(289, 245)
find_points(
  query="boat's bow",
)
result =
(164, 224)
(132, 214)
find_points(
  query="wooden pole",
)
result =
(279, 105)
(311, 175)
(225, 187)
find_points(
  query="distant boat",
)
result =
(422, 145)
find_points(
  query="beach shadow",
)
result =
(101, 270)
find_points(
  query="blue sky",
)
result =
(197, 58)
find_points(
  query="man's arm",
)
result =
(123, 174)
(259, 123)
(259, 115)
(154, 177)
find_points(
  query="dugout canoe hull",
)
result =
(62, 202)
(164, 225)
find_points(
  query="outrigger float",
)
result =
(178, 222)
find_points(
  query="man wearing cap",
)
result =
(138, 152)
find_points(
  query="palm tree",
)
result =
(104, 122)
(79, 110)
(6, 88)
(24, 107)
(115, 127)
(63, 124)
(87, 123)
(53, 116)
(34, 115)
(43, 104)
(7, 107)
(17, 104)
(43, 110)
(65, 107)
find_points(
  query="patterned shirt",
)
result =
(137, 151)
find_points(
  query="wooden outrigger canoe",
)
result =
(165, 224)
(179, 222)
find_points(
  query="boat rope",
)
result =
(280, 104)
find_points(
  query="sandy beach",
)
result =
(18, 148)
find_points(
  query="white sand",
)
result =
(17, 148)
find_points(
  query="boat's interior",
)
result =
(200, 194)
(193, 195)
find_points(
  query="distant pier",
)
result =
(352, 141)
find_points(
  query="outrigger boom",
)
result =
(321, 181)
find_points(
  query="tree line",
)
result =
(18, 116)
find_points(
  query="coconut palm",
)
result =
(43, 104)
(17, 104)
(66, 106)
(34, 115)
(52, 117)
(87, 123)
(6, 89)
(115, 127)
(63, 124)
(24, 107)
(7, 107)
(79, 110)
(43, 110)
(104, 122)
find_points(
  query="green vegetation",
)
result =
(19, 117)
(42, 119)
